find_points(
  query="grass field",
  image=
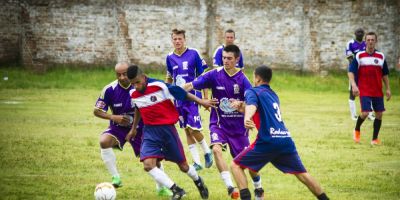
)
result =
(49, 141)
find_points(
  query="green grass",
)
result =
(49, 141)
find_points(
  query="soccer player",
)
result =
(226, 124)
(152, 99)
(184, 65)
(116, 97)
(229, 38)
(366, 73)
(273, 143)
(352, 48)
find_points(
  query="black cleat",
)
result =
(259, 194)
(178, 193)
(202, 188)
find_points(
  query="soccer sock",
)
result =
(192, 173)
(161, 177)
(322, 197)
(110, 161)
(358, 124)
(377, 127)
(205, 146)
(257, 182)
(158, 185)
(245, 194)
(226, 177)
(352, 106)
(195, 153)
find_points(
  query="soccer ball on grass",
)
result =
(105, 191)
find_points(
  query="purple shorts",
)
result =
(189, 116)
(162, 142)
(255, 158)
(376, 102)
(236, 142)
(119, 133)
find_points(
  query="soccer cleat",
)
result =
(164, 192)
(202, 188)
(371, 116)
(356, 136)
(197, 166)
(116, 181)
(259, 194)
(233, 192)
(208, 158)
(375, 142)
(178, 194)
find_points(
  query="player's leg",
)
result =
(107, 142)
(352, 105)
(241, 181)
(379, 107)
(312, 185)
(365, 109)
(258, 190)
(193, 149)
(195, 127)
(224, 170)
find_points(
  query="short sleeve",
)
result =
(203, 81)
(250, 97)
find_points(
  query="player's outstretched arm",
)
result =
(238, 105)
(123, 120)
(207, 103)
(250, 110)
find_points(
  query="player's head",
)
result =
(229, 37)
(262, 74)
(136, 77)
(230, 56)
(371, 38)
(359, 33)
(121, 73)
(178, 38)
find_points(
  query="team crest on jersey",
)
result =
(185, 65)
(153, 98)
(236, 89)
(100, 104)
(376, 61)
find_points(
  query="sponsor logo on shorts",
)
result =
(117, 105)
(220, 88)
(214, 136)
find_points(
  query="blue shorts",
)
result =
(376, 102)
(255, 159)
(189, 115)
(119, 133)
(162, 142)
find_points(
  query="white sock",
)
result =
(226, 177)
(161, 177)
(205, 146)
(158, 185)
(192, 173)
(257, 184)
(195, 153)
(352, 106)
(110, 161)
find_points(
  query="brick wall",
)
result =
(306, 35)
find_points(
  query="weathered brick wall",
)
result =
(306, 35)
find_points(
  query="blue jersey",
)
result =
(184, 68)
(117, 98)
(273, 131)
(353, 47)
(225, 88)
(217, 58)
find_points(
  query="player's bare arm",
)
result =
(207, 103)
(250, 110)
(354, 87)
(123, 120)
(136, 119)
(387, 86)
(188, 86)
(238, 105)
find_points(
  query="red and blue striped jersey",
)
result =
(368, 70)
(155, 102)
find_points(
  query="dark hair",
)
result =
(178, 32)
(133, 71)
(264, 72)
(359, 30)
(230, 31)
(372, 33)
(234, 49)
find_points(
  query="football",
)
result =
(105, 191)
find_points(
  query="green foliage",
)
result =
(49, 147)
